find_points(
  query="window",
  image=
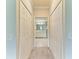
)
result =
(41, 27)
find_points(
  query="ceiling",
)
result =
(41, 3)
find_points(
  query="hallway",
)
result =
(40, 29)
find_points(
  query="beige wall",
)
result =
(28, 3)
(56, 30)
(24, 30)
(41, 12)
(53, 5)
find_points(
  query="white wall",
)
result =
(24, 30)
(68, 50)
(56, 29)
(41, 12)
(10, 29)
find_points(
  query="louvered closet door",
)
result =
(25, 43)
